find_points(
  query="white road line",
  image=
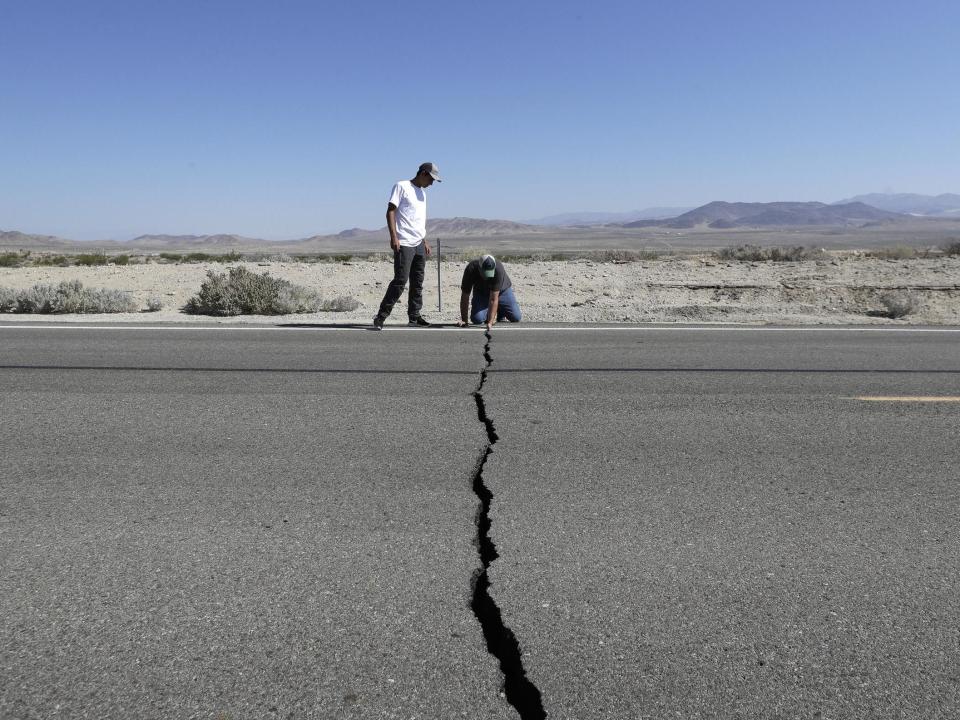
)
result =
(510, 329)
(907, 398)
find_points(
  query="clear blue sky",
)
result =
(288, 118)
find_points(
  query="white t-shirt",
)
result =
(411, 202)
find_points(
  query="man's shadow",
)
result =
(362, 326)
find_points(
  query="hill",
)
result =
(17, 240)
(776, 214)
(478, 226)
(206, 241)
(604, 218)
(945, 205)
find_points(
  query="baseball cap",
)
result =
(489, 265)
(432, 170)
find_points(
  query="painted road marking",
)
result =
(909, 398)
(505, 328)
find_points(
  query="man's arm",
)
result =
(464, 308)
(392, 226)
(494, 305)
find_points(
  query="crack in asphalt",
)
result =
(520, 692)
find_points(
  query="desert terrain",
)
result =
(698, 287)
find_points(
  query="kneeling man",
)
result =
(493, 297)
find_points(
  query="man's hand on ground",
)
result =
(461, 323)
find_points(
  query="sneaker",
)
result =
(377, 323)
(418, 322)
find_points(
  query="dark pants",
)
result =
(408, 262)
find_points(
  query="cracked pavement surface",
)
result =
(282, 524)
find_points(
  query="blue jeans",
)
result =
(507, 309)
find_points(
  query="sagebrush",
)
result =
(241, 292)
(67, 297)
(755, 253)
(899, 304)
(341, 303)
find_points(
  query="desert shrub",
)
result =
(8, 299)
(755, 253)
(44, 299)
(120, 259)
(899, 304)
(71, 297)
(52, 260)
(951, 248)
(622, 256)
(898, 252)
(241, 292)
(89, 259)
(198, 257)
(514, 259)
(463, 254)
(13, 259)
(341, 303)
(154, 304)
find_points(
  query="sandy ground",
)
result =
(698, 289)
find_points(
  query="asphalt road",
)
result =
(226, 523)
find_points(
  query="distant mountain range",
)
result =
(608, 218)
(455, 227)
(220, 240)
(775, 214)
(946, 205)
(853, 213)
(16, 239)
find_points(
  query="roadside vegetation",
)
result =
(66, 297)
(90, 259)
(13, 259)
(755, 253)
(242, 292)
(899, 252)
(899, 304)
(951, 248)
(199, 257)
(26, 258)
(740, 253)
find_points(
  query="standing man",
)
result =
(493, 297)
(407, 224)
